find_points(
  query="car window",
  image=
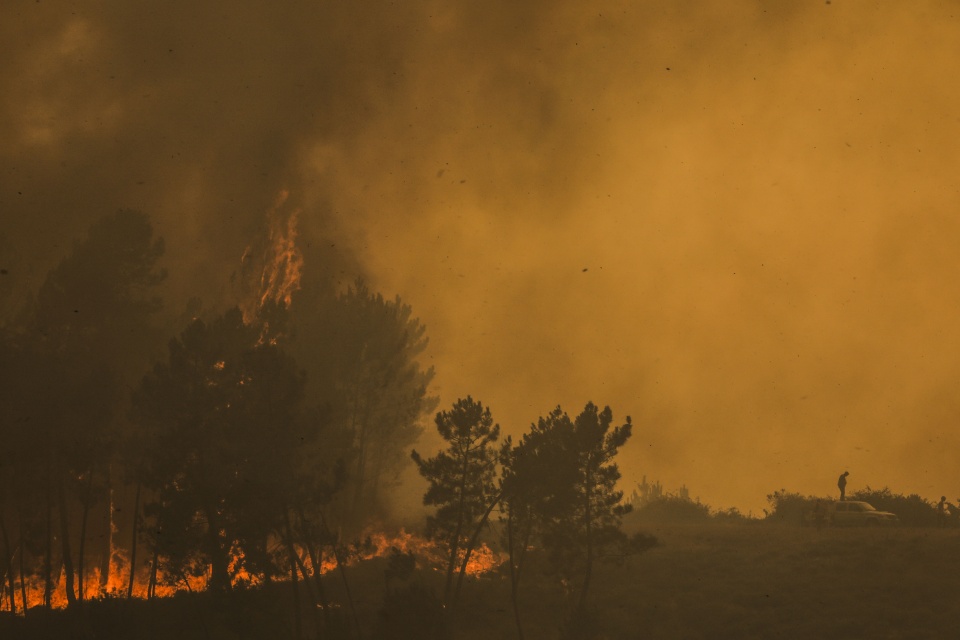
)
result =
(841, 507)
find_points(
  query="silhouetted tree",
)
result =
(316, 481)
(539, 478)
(564, 484)
(598, 507)
(85, 333)
(219, 432)
(461, 478)
(20, 467)
(558, 492)
(361, 353)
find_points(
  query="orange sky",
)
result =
(736, 222)
(740, 229)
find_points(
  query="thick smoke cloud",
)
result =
(736, 223)
(193, 113)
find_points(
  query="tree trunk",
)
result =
(458, 531)
(315, 563)
(472, 545)
(133, 541)
(514, 574)
(306, 578)
(107, 553)
(341, 568)
(81, 551)
(294, 582)
(152, 585)
(588, 521)
(219, 574)
(316, 598)
(362, 455)
(516, 566)
(48, 560)
(8, 555)
(23, 582)
(65, 543)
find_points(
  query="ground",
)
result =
(761, 581)
(754, 580)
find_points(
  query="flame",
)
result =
(115, 587)
(377, 544)
(482, 560)
(271, 269)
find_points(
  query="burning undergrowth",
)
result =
(149, 583)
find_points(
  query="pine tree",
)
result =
(560, 486)
(462, 480)
(220, 437)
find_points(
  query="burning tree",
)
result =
(86, 334)
(360, 351)
(270, 269)
(219, 436)
(462, 480)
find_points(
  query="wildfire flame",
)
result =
(380, 545)
(271, 268)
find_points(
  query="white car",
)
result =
(858, 513)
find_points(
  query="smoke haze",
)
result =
(735, 222)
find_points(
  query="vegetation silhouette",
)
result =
(792, 508)
(67, 361)
(227, 464)
(461, 482)
(362, 352)
(235, 471)
(557, 489)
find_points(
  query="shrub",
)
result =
(912, 510)
(788, 507)
(733, 516)
(672, 509)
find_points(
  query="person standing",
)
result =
(842, 484)
(942, 512)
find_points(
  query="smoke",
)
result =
(734, 222)
(195, 115)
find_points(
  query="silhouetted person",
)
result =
(842, 484)
(941, 512)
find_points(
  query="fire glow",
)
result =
(277, 262)
(377, 545)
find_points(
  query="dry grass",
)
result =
(754, 581)
(710, 581)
